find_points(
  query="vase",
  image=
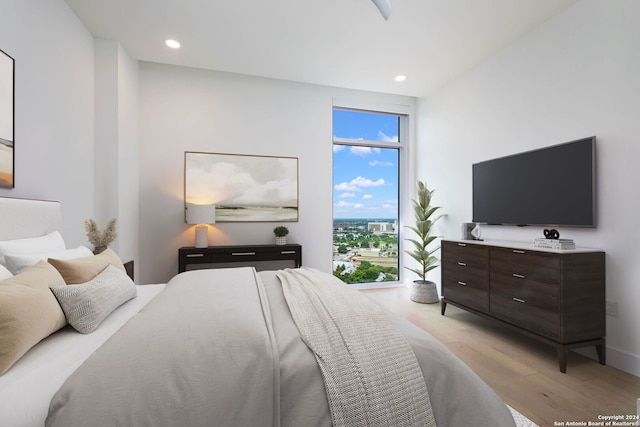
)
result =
(281, 240)
(99, 249)
(423, 291)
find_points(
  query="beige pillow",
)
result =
(28, 311)
(81, 270)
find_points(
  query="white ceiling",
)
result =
(343, 43)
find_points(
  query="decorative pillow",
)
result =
(87, 305)
(82, 270)
(28, 311)
(4, 273)
(33, 245)
(19, 263)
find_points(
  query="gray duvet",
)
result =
(220, 348)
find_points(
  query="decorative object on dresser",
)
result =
(423, 291)
(201, 215)
(555, 296)
(244, 188)
(281, 234)
(222, 256)
(470, 231)
(7, 121)
(100, 240)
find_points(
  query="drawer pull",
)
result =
(243, 253)
(519, 300)
(518, 251)
(519, 276)
(287, 252)
(462, 244)
(195, 255)
(462, 264)
(462, 283)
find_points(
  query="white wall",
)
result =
(116, 139)
(54, 108)
(185, 109)
(575, 76)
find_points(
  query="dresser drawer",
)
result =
(526, 316)
(467, 254)
(524, 264)
(466, 285)
(526, 291)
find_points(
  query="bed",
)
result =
(231, 347)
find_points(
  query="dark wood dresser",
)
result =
(555, 296)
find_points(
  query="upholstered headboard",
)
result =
(21, 218)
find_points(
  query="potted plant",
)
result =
(423, 290)
(281, 234)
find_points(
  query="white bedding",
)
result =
(26, 389)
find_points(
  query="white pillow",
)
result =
(32, 245)
(19, 263)
(4, 273)
(86, 305)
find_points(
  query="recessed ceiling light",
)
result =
(400, 78)
(172, 44)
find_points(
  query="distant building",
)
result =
(381, 227)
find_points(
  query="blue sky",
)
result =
(365, 179)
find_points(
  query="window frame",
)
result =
(404, 173)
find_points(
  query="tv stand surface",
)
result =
(555, 296)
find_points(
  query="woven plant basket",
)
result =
(423, 291)
(281, 240)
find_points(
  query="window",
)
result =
(367, 153)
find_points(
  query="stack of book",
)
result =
(554, 243)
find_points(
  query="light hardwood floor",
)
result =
(523, 372)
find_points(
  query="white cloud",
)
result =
(358, 184)
(387, 138)
(346, 195)
(379, 163)
(337, 148)
(363, 151)
(367, 196)
(343, 204)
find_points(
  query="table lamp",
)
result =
(201, 215)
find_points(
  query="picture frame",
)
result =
(244, 188)
(7, 120)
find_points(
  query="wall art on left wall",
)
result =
(7, 102)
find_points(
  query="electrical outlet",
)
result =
(612, 308)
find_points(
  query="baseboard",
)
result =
(624, 361)
(616, 358)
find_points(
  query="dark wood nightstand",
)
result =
(254, 255)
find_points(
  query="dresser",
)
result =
(190, 257)
(555, 296)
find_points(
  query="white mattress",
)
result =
(28, 386)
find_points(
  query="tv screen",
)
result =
(553, 186)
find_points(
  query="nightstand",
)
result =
(259, 256)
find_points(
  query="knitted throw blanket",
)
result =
(371, 374)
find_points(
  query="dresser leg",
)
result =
(602, 353)
(443, 306)
(563, 352)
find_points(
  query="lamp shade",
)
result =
(200, 214)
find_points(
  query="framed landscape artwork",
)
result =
(7, 69)
(244, 188)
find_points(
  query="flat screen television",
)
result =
(552, 186)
